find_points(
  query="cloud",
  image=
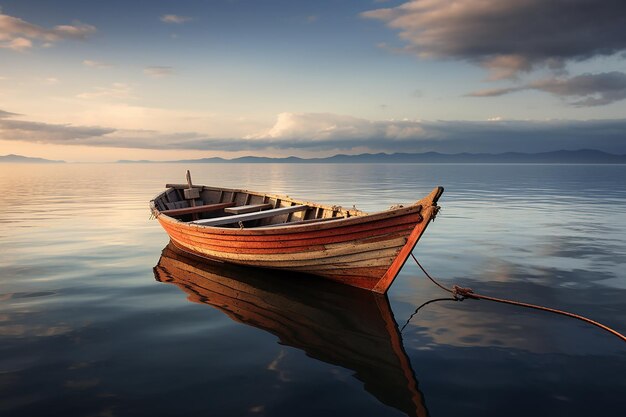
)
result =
(19, 35)
(118, 91)
(592, 89)
(175, 19)
(317, 128)
(6, 114)
(38, 132)
(49, 80)
(508, 37)
(495, 92)
(95, 64)
(17, 44)
(158, 71)
(589, 89)
(334, 133)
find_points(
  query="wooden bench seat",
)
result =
(198, 209)
(307, 221)
(247, 209)
(218, 221)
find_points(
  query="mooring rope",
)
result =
(424, 305)
(460, 293)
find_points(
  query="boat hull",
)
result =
(364, 251)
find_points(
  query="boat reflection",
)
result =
(337, 324)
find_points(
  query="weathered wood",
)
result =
(298, 240)
(247, 208)
(430, 212)
(372, 224)
(353, 248)
(301, 222)
(219, 221)
(159, 204)
(182, 186)
(177, 205)
(198, 209)
(171, 196)
(191, 193)
(343, 252)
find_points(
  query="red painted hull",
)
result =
(365, 251)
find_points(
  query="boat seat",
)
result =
(247, 209)
(218, 221)
(308, 221)
(198, 209)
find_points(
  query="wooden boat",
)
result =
(278, 232)
(333, 323)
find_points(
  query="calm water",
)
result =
(87, 330)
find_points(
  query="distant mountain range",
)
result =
(583, 156)
(19, 159)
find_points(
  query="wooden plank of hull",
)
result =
(353, 266)
(302, 246)
(385, 282)
(291, 232)
(348, 251)
(340, 232)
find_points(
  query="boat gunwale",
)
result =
(285, 228)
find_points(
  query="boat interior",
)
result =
(232, 208)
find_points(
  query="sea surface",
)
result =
(95, 322)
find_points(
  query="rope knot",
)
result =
(461, 293)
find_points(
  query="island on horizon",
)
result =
(582, 156)
(20, 159)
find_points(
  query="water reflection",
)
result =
(340, 325)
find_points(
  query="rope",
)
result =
(461, 293)
(424, 305)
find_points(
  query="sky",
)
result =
(97, 81)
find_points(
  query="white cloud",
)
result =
(50, 80)
(158, 71)
(175, 19)
(328, 127)
(17, 44)
(329, 132)
(118, 91)
(95, 64)
(19, 35)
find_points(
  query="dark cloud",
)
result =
(509, 36)
(587, 89)
(46, 132)
(329, 132)
(593, 89)
(6, 114)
